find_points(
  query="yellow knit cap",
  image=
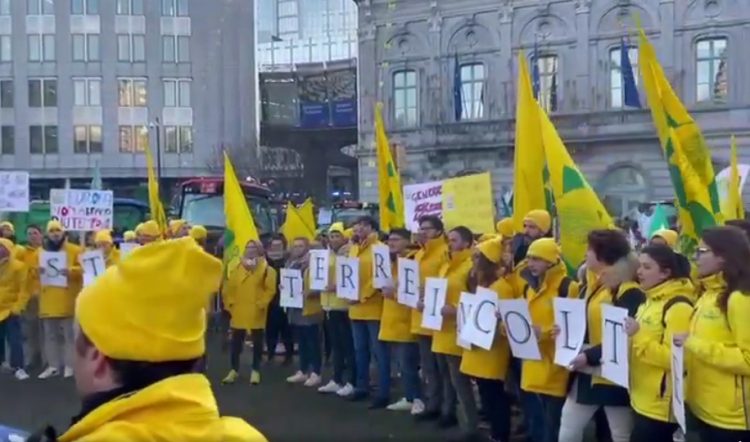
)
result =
(669, 236)
(129, 235)
(492, 249)
(150, 228)
(55, 225)
(546, 249)
(8, 225)
(198, 232)
(103, 236)
(505, 227)
(540, 218)
(175, 225)
(151, 306)
(138, 229)
(337, 228)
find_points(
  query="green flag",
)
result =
(659, 221)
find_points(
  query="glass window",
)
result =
(42, 93)
(36, 139)
(87, 91)
(170, 135)
(133, 92)
(168, 8)
(405, 98)
(6, 48)
(168, 48)
(136, 6)
(32, 7)
(183, 49)
(80, 141)
(184, 90)
(77, 7)
(288, 25)
(50, 93)
(37, 7)
(186, 139)
(182, 8)
(50, 139)
(35, 93)
(123, 7)
(79, 47)
(95, 139)
(92, 7)
(141, 138)
(711, 68)
(139, 47)
(547, 65)
(616, 88)
(48, 7)
(48, 47)
(93, 47)
(140, 90)
(125, 88)
(79, 92)
(35, 47)
(287, 8)
(8, 140)
(4, 7)
(126, 139)
(6, 94)
(123, 47)
(170, 97)
(95, 92)
(472, 91)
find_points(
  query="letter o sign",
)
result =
(514, 323)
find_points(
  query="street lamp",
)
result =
(156, 125)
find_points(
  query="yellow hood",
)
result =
(180, 408)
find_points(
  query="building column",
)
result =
(580, 98)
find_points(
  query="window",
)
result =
(43, 139)
(711, 68)
(87, 91)
(84, 7)
(547, 65)
(177, 93)
(178, 139)
(131, 47)
(85, 47)
(6, 48)
(405, 98)
(6, 94)
(133, 92)
(40, 7)
(287, 17)
(472, 91)
(4, 7)
(622, 189)
(133, 139)
(176, 49)
(617, 89)
(42, 47)
(87, 139)
(43, 92)
(129, 7)
(174, 8)
(8, 140)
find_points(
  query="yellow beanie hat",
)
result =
(492, 249)
(541, 219)
(546, 249)
(337, 228)
(486, 237)
(150, 307)
(198, 232)
(55, 225)
(175, 225)
(8, 225)
(348, 233)
(103, 236)
(150, 228)
(129, 235)
(669, 236)
(505, 227)
(138, 229)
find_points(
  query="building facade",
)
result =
(93, 83)
(413, 55)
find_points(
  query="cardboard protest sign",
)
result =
(615, 366)
(381, 267)
(93, 265)
(82, 210)
(482, 324)
(291, 293)
(14, 191)
(435, 291)
(408, 282)
(570, 316)
(347, 278)
(678, 386)
(519, 327)
(53, 263)
(319, 261)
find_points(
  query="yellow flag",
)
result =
(390, 194)
(295, 226)
(733, 207)
(240, 223)
(307, 212)
(154, 198)
(528, 167)
(579, 209)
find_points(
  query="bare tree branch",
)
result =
(244, 159)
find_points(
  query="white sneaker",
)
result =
(297, 378)
(417, 407)
(346, 390)
(49, 373)
(21, 374)
(314, 380)
(5, 368)
(68, 372)
(401, 405)
(331, 387)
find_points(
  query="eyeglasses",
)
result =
(702, 250)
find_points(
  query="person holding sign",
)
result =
(148, 232)
(30, 325)
(13, 298)
(610, 280)
(664, 275)
(247, 294)
(543, 383)
(103, 241)
(717, 347)
(431, 256)
(456, 385)
(395, 331)
(57, 304)
(493, 264)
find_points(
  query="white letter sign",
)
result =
(570, 316)
(678, 392)
(518, 326)
(435, 290)
(93, 265)
(347, 278)
(615, 365)
(53, 264)
(408, 282)
(381, 267)
(319, 269)
(482, 324)
(127, 248)
(290, 295)
(463, 313)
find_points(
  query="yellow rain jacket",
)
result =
(492, 363)
(30, 258)
(112, 258)
(180, 408)
(666, 312)
(59, 302)
(717, 355)
(328, 300)
(370, 305)
(395, 323)
(456, 271)
(14, 292)
(544, 376)
(431, 258)
(247, 294)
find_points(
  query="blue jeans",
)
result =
(308, 340)
(10, 330)
(544, 413)
(408, 360)
(366, 345)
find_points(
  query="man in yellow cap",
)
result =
(537, 224)
(665, 237)
(148, 232)
(13, 299)
(178, 228)
(103, 241)
(504, 228)
(129, 236)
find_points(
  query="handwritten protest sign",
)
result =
(14, 191)
(51, 265)
(82, 210)
(290, 293)
(319, 269)
(93, 265)
(420, 200)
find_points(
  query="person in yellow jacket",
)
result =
(31, 326)
(247, 293)
(395, 331)
(178, 228)
(146, 385)
(129, 236)
(13, 298)
(103, 241)
(431, 256)
(337, 320)
(456, 386)
(717, 345)
(7, 230)
(610, 280)
(667, 311)
(493, 263)
(148, 232)
(365, 314)
(56, 304)
(665, 237)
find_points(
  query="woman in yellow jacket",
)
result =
(103, 241)
(664, 276)
(13, 299)
(717, 347)
(247, 293)
(489, 368)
